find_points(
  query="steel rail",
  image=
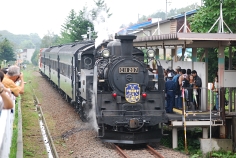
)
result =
(153, 151)
(122, 153)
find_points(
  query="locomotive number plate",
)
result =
(128, 70)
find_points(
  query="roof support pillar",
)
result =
(183, 51)
(157, 53)
(173, 52)
(194, 54)
(204, 97)
(175, 57)
(174, 137)
(221, 65)
(164, 53)
(221, 69)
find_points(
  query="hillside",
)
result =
(21, 41)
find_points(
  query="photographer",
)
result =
(14, 75)
(5, 96)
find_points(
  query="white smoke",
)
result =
(92, 114)
(102, 24)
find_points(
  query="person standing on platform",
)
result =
(215, 90)
(170, 93)
(190, 92)
(198, 85)
(178, 98)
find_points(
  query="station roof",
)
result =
(188, 40)
(171, 18)
(134, 27)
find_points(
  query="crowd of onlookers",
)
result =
(11, 85)
(182, 87)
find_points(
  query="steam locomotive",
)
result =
(112, 82)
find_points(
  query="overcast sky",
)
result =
(41, 16)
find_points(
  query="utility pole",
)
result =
(166, 7)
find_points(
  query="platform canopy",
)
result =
(188, 40)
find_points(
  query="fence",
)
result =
(6, 129)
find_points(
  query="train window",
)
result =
(52, 65)
(56, 65)
(61, 67)
(46, 61)
(68, 71)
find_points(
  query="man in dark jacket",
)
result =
(170, 93)
(198, 85)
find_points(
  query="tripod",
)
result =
(221, 22)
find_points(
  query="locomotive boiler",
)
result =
(114, 83)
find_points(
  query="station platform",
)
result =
(193, 115)
(202, 119)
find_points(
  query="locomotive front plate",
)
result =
(132, 92)
(125, 70)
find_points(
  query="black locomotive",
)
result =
(113, 82)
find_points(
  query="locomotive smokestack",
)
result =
(126, 44)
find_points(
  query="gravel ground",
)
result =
(74, 138)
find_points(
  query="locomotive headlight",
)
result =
(150, 53)
(105, 53)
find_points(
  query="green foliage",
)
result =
(222, 154)
(6, 51)
(75, 26)
(167, 140)
(27, 44)
(193, 143)
(206, 16)
(34, 58)
(202, 22)
(22, 41)
(50, 40)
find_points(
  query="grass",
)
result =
(13, 149)
(32, 137)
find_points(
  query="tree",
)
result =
(34, 58)
(75, 26)
(6, 51)
(206, 16)
(22, 41)
(50, 40)
(27, 44)
(204, 19)
(100, 7)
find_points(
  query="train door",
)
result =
(58, 71)
(72, 78)
(49, 65)
(44, 62)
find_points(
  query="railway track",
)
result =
(52, 152)
(74, 138)
(147, 149)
